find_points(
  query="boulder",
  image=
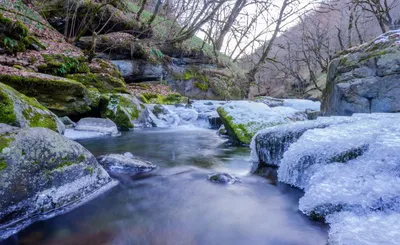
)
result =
(43, 174)
(122, 109)
(242, 119)
(140, 70)
(19, 110)
(269, 101)
(67, 122)
(98, 125)
(126, 163)
(103, 82)
(223, 178)
(187, 115)
(60, 95)
(364, 79)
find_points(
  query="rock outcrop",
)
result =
(43, 174)
(365, 78)
(19, 110)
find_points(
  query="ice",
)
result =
(375, 228)
(269, 145)
(336, 143)
(302, 105)
(349, 168)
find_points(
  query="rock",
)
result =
(223, 178)
(364, 79)
(67, 122)
(43, 174)
(103, 82)
(159, 116)
(222, 130)
(242, 119)
(105, 126)
(140, 70)
(126, 163)
(122, 109)
(19, 110)
(62, 96)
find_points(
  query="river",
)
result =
(176, 204)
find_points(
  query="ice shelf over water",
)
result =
(349, 168)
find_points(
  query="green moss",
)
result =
(154, 98)
(103, 82)
(43, 121)
(94, 96)
(90, 170)
(61, 65)
(202, 86)
(15, 36)
(3, 165)
(81, 158)
(5, 141)
(121, 111)
(7, 114)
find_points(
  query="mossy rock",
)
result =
(122, 109)
(243, 119)
(19, 110)
(155, 98)
(62, 96)
(15, 36)
(62, 65)
(103, 82)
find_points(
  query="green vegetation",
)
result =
(15, 36)
(121, 110)
(154, 98)
(7, 114)
(3, 165)
(103, 82)
(37, 119)
(61, 65)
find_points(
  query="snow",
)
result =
(373, 228)
(349, 168)
(302, 105)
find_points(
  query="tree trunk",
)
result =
(139, 13)
(228, 24)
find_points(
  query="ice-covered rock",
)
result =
(126, 163)
(159, 116)
(269, 101)
(223, 178)
(302, 105)
(187, 115)
(269, 145)
(67, 122)
(243, 119)
(349, 168)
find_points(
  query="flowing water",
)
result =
(176, 204)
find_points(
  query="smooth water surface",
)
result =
(176, 204)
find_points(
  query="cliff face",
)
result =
(365, 79)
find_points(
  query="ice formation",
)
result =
(349, 168)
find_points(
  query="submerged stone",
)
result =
(223, 178)
(126, 163)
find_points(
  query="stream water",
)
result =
(176, 204)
